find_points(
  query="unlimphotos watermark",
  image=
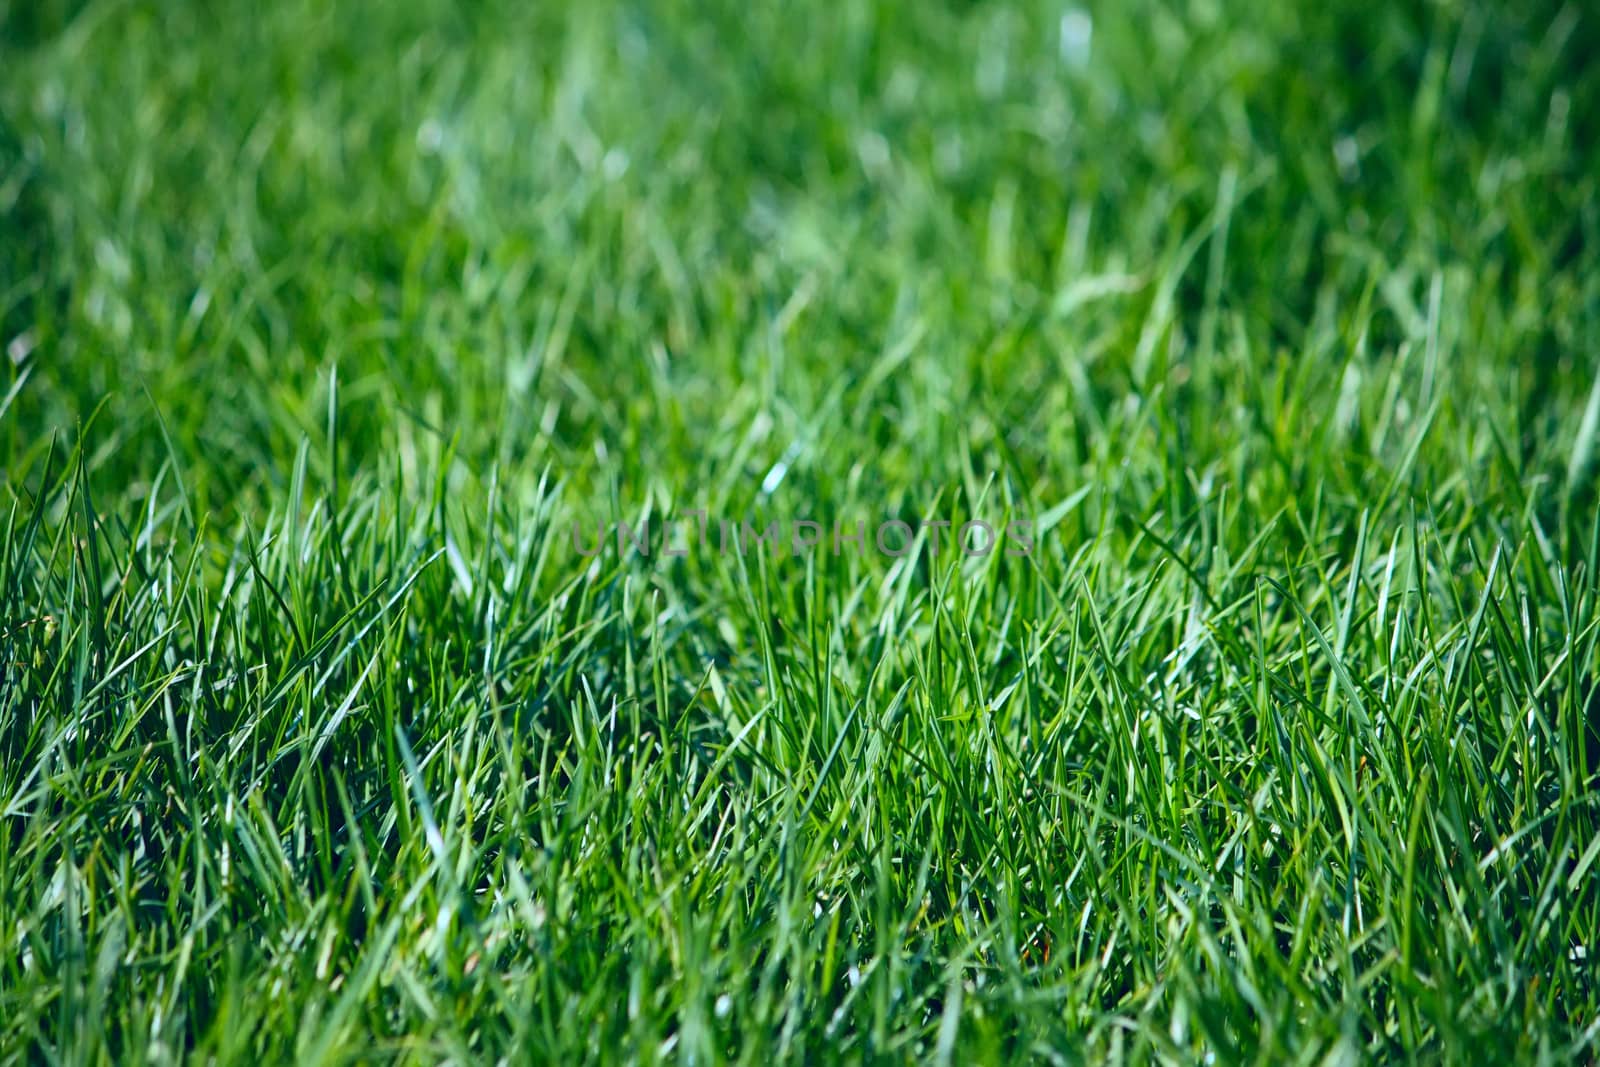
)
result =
(697, 532)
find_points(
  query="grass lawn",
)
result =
(342, 720)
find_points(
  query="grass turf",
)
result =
(319, 740)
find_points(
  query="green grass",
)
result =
(320, 742)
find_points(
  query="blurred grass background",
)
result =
(553, 225)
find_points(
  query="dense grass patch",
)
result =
(320, 739)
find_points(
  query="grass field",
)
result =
(334, 332)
